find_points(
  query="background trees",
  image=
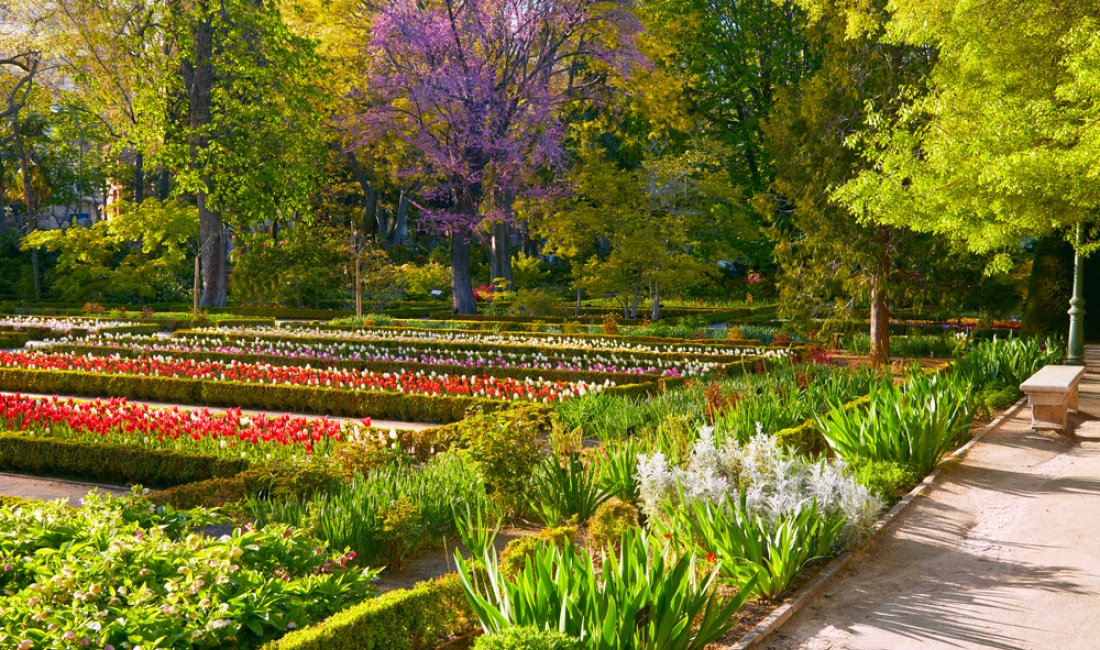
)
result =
(859, 156)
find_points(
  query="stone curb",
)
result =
(774, 621)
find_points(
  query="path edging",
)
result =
(774, 621)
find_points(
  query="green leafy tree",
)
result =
(139, 254)
(1002, 140)
(831, 260)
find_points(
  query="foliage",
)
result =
(565, 488)
(477, 526)
(116, 464)
(505, 448)
(747, 546)
(610, 522)
(1009, 103)
(140, 254)
(527, 638)
(421, 279)
(145, 578)
(403, 619)
(915, 424)
(303, 266)
(885, 478)
(386, 515)
(640, 597)
(774, 484)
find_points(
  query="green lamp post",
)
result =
(1076, 355)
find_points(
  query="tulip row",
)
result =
(505, 340)
(342, 351)
(198, 431)
(59, 325)
(407, 383)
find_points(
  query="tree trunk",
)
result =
(880, 307)
(199, 74)
(358, 285)
(578, 310)
(655, 298)
(462, 288)
(401, 223)
(635, 300)
(500, 249)
(212, 235)
(163, 184)
(139, 177)
(36, 275)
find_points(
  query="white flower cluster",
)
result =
(606, 344)
(775, 482)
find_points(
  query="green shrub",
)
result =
(887, 479)
(103, 462)
(528, 638)
(611, 520)
(506, 448)
(514, 556)
(406, 619)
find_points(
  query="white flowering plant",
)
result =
(755, 507)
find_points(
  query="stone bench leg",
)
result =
(1072, 403)
(1048, 416)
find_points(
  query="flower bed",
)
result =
(370, 356)
(257, 373)
(118, 575)
(116, 420)
(512, 341)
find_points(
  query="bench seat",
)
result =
(1052, 393)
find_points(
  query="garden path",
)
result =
(48, 489)
(1002, 552)
(381, 424)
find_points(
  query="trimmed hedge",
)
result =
(407, 619)
(13, 339)
(246, 322)
(104, 462)
(305, 399)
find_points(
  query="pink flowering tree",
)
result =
(476, 91)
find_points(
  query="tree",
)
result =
(825, 251)
(731, 56)
(475, 89)
(141, 253)
(246, 146)
(1002, 141)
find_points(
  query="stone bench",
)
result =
(1052, 393)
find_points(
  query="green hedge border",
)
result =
(407, 619)
(106, 462)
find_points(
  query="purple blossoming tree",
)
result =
(476, 89)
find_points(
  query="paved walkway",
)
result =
(48, 489)
(1002, 552)
(381, 424)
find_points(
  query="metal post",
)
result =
(1076, 355)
